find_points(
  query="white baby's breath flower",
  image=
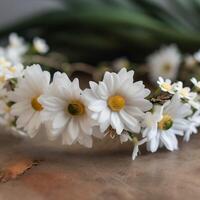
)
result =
(167, 121)
(194, 123)
(40, 45)
(118, 102)
(66, 111)
(165, 85)
(26, 95)
(165, 63)
(195, 82)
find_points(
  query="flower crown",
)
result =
(116, 106)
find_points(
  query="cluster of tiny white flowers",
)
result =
(117, 106)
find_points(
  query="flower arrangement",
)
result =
(117, 105)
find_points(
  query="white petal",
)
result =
(130, 122)
(60, 120)
(116, 123)
(98, 106)
(73, 129)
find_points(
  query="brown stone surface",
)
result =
(104, 172)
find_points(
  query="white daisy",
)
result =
(184, 92)
(12, 71)
(165, 85)
(40, 45)
(164, 62)
(194, 123)
(66, 112)
(165, 123)
(27, 108)
(15, 49)
(118, 102)
(195, 82)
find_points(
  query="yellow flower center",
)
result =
(166, 86)
(165, 123)
(76, 108)
(12, 69)
(36, 105)
(167, 67)
(116, 103)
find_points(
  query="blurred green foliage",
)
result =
(96, 30)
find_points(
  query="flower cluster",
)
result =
(12, 70)
(116, 106)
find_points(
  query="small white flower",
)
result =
(184, 92)
(194, 123)
(66, 111)
(40, 45)
(165, 85)
(26, 95)
(4, 63)
(120, 63)
(165, 63)
(165, 123)
(16, 49)
(9, 71)
(15, 41)
(197, 56)
(118, 102)
(13, 71)
(195, 82)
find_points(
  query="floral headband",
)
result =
(116, 106)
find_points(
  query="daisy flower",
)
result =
(40, 45)
(167, 121)
(194, 123)
(184, 92)
(165, 85)
(13, 71)
(15, 49)
(164, 62)
(27, 107)
(195, 82)
(118, 102)
(66, 112)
